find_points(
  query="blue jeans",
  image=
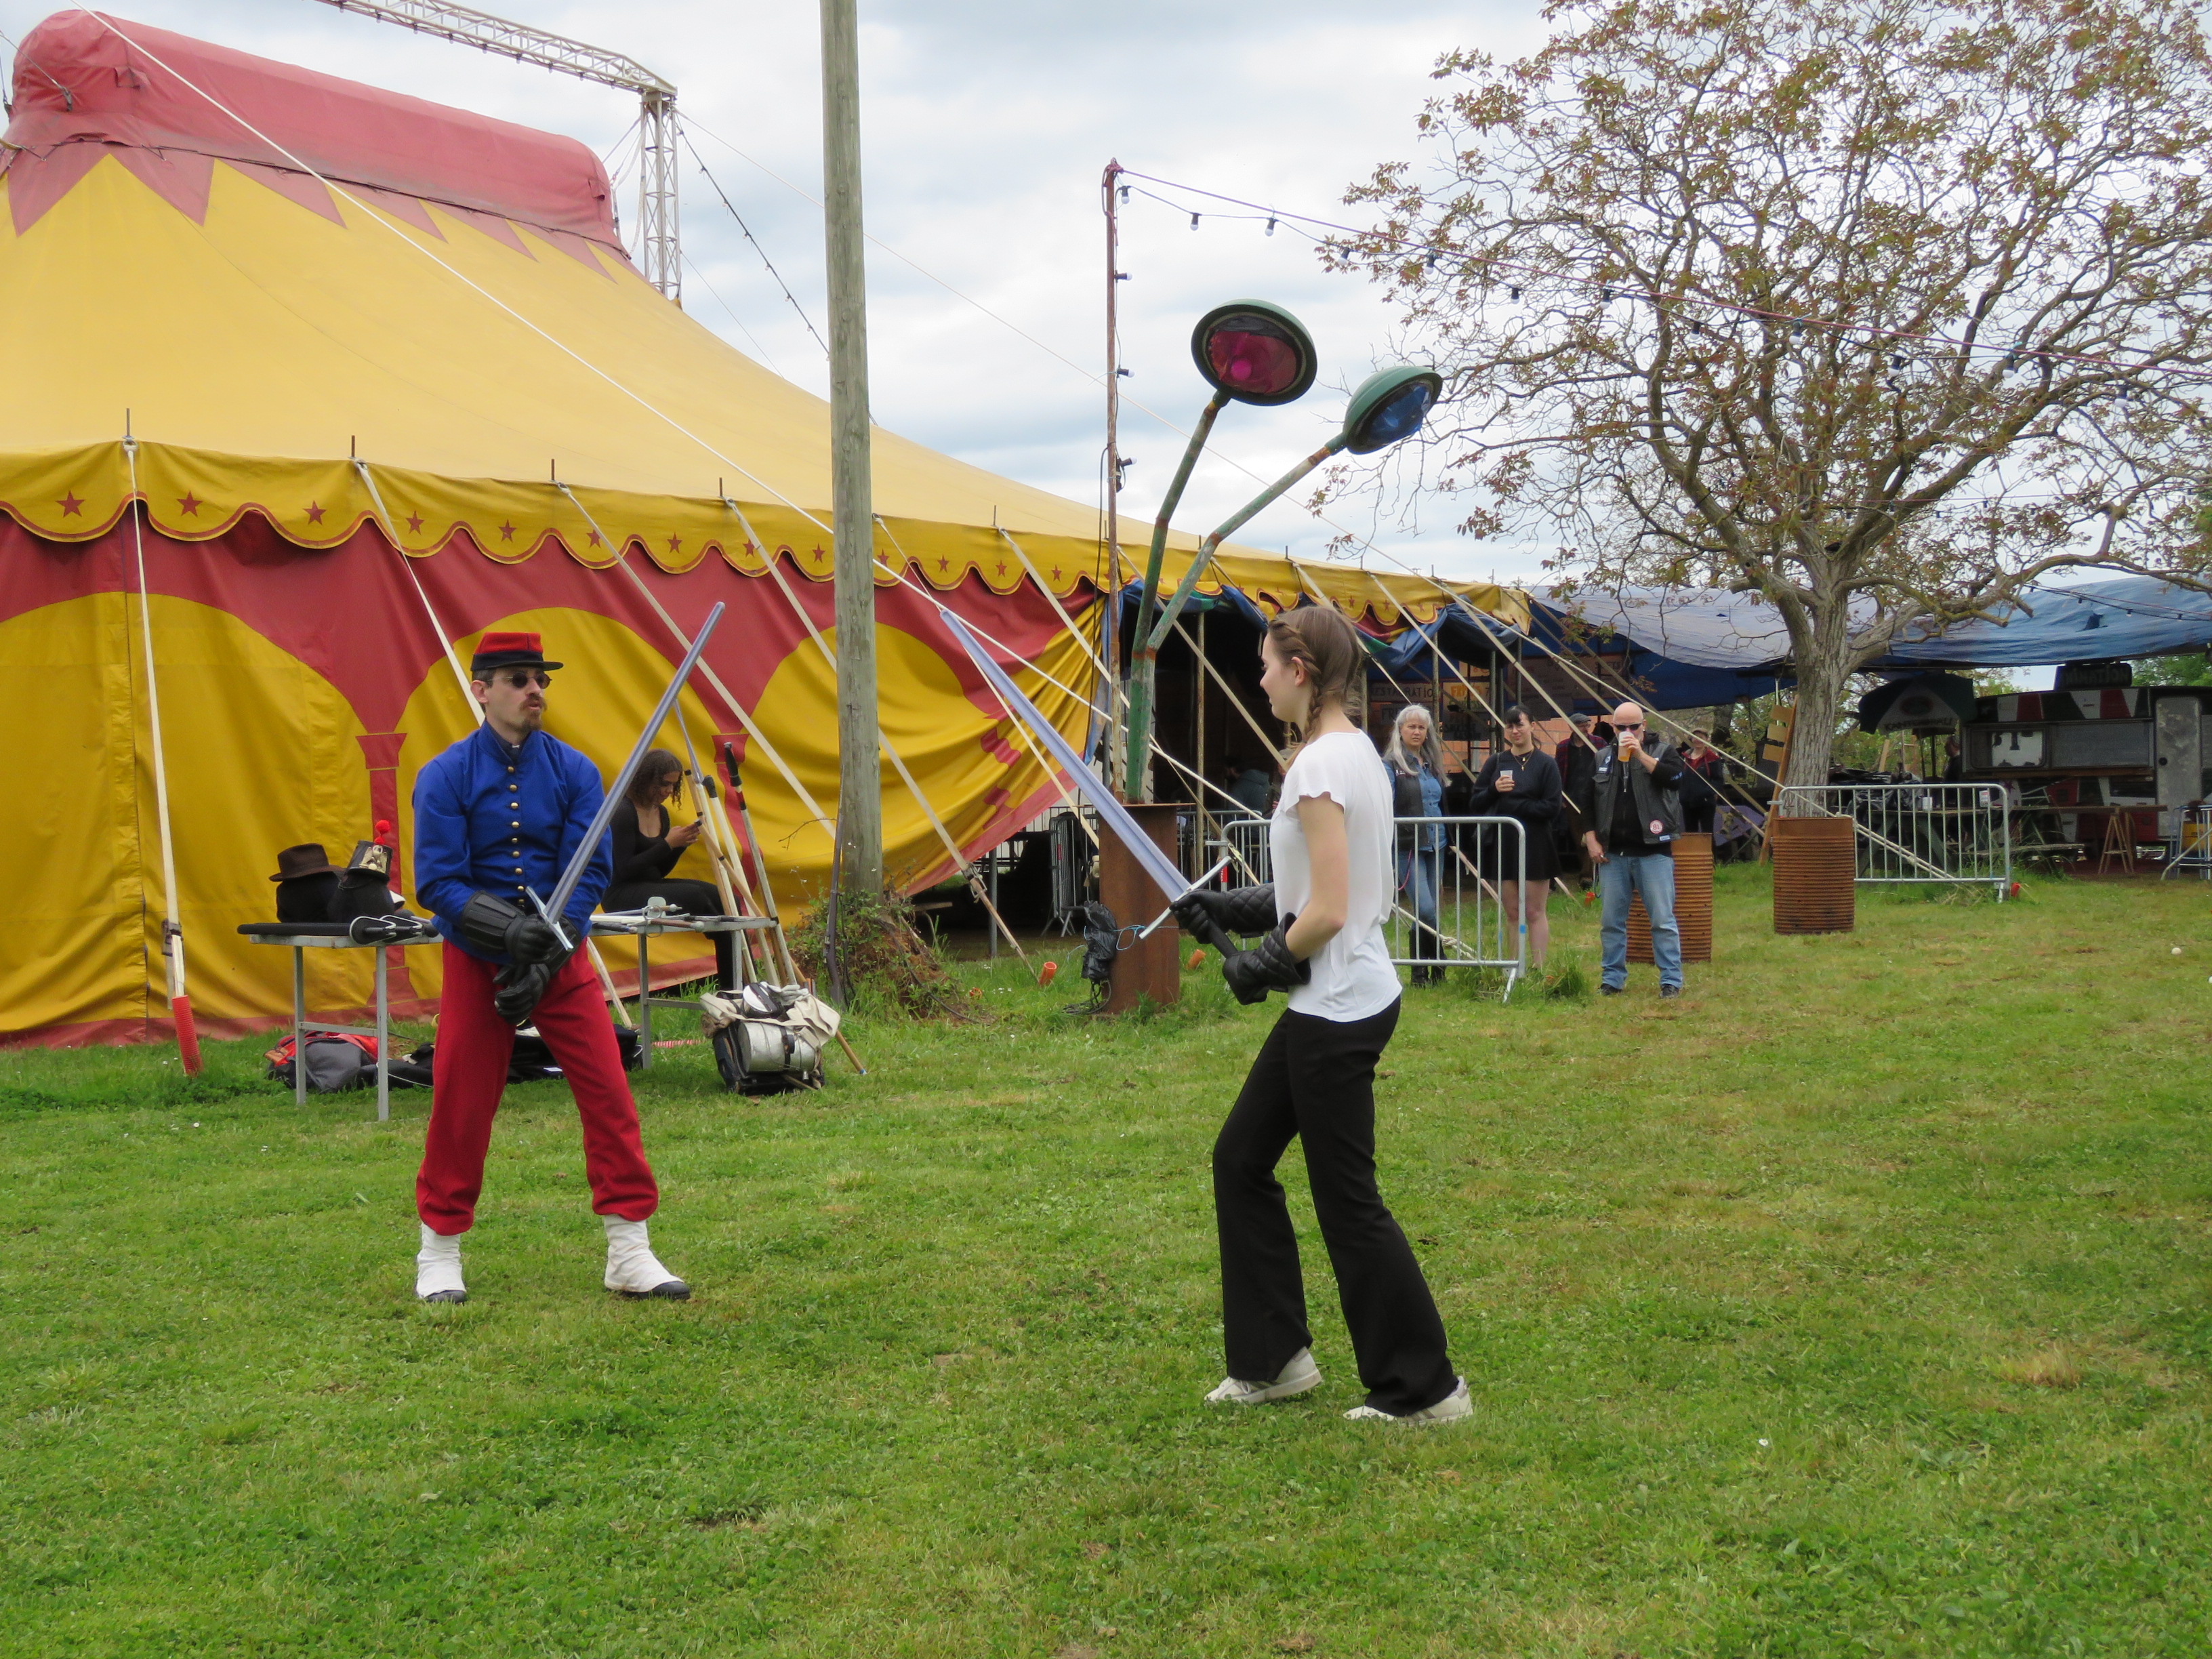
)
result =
(1652, 876)
(1419, 879)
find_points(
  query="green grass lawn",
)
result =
(1856, 1303)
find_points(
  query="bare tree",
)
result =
(1878, 309)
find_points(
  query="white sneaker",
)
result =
(633, 1270)
(1297, 1377)
(438, 1269)
(1449, 1409)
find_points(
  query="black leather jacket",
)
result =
(1657, 795)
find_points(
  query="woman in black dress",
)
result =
(1521, 781)
(647, 848)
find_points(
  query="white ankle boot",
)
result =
(633, 1270)
(438, 1269)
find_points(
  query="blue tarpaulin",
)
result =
(1690, 647)
(1693, 647)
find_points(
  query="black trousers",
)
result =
(701, 898)
(1315, 1081)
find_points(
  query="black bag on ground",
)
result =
(1101, 943)
(531, 1061)
(334, 1064)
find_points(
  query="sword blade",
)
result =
(580, 859)
(1111, 812)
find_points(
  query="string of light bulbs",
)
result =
(1617, 288)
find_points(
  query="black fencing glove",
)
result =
(1268, 966)
(1244, 910)
(521, 987)
(501, 929)
(371, 930)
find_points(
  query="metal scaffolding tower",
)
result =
(654, 243)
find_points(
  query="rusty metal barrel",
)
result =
(1694, 904)
(1815, 865)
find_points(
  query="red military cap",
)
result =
(496, 651)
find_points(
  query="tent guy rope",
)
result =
(173, 929)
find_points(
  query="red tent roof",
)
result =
(83, 80)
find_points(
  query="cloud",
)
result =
(984, 129)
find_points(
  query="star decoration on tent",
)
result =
(414, 523)
(189, 504)
(595, 537)
(72, 504)
(507, 532)
(1055, 573)
(752, 550)
(315, 511)
(943, 564)
(676, 544)
(1002, 566)
(816, 556)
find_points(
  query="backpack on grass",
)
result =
(768, 1038)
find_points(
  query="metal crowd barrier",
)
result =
(2192, 845)
(1471, 857)
(1958, 834)
(1243, 842)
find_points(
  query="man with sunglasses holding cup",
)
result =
(1633, 811)
(497, 817)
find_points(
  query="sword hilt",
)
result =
(550, 919)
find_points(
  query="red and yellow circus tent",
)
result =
(375, 417)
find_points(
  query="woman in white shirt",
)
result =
(1314, 1080)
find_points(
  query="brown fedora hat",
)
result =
(307, 859)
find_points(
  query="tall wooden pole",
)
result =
(860, 778)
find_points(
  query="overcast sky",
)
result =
(985, 128)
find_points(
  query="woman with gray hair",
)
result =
(1416, 759)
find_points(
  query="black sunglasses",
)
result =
(522, 678)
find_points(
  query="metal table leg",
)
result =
(644, 1000)
(298, 1023)
(383, 1038)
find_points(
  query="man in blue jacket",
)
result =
(497, 817)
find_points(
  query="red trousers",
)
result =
(469, 1073)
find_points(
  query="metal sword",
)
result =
(550, 908)
(1111, 812)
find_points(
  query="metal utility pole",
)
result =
(660, 255)
(1110, 633)
(860, 777)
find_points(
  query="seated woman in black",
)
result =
(646, 848)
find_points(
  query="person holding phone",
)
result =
(646, 844)
(1520, 781)
(1633, 804)
(1314, 1080)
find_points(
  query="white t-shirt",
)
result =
(1352, 977)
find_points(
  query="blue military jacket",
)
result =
(489, 819)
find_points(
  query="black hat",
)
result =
(505, 650)
(307, 859)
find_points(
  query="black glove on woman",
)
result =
(1268, 966)
(1238, 910)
